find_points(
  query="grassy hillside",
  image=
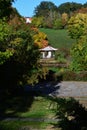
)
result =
(58, 38)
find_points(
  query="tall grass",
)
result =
(58, 38)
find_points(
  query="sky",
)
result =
(26, 7)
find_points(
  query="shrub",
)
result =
(71, 75)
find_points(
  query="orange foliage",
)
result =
(40, 39)
(82, 10)
(34, 29)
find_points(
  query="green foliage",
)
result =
(17, 53)
(69, 7)
(73, 76)
(71, 113)
(5, 8)
(5, 53)
(60, 57)
(51, 13)
(5, 56)
(48, 11)
(85, 5)
(78, 30)
(77, 25)
(4, 30)
(79, 56)
(44, 8)
(57, 24)
(38, 21)
(27, 110)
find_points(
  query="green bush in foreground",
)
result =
(72, 115)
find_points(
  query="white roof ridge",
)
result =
(48, 48)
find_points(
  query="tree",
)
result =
(69, 7)
(47, 10)
(5, 8)
(15, 18)
(82, 10)
(64, 19)
(77, 25)
(5, 53)
(58, 24)
(70, 114)
(18, 55)
(85, 5)
(44, 9)
(40, 39)
(79, 56)
(78, 30)
(38, 21)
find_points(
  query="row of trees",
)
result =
(48, 15)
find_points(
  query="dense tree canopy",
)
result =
(5, 8)
(45, 8)
(69, 7)
(40, 40)
(85, 5)
(77, 25)
(78, 30)
(47, 13)
(79, 55)
(18, 54)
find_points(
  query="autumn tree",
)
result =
(15, 18)
(18, 55)
(81, 10)
(40, 39)
(64, 19)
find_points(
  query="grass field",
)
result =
(58, 38)
(41, 108)
(21, 109)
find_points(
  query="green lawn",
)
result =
(58, 38)
(25, 113)
(38, 110)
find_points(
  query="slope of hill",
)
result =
(58, 38)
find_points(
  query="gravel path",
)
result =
(72, 89)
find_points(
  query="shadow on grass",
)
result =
(12, 104)
(17, 101)
(71, 114)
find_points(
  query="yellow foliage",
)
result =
(40, 39)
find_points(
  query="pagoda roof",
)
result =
(48, 48)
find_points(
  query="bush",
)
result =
(71, 114)
(71, 75)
